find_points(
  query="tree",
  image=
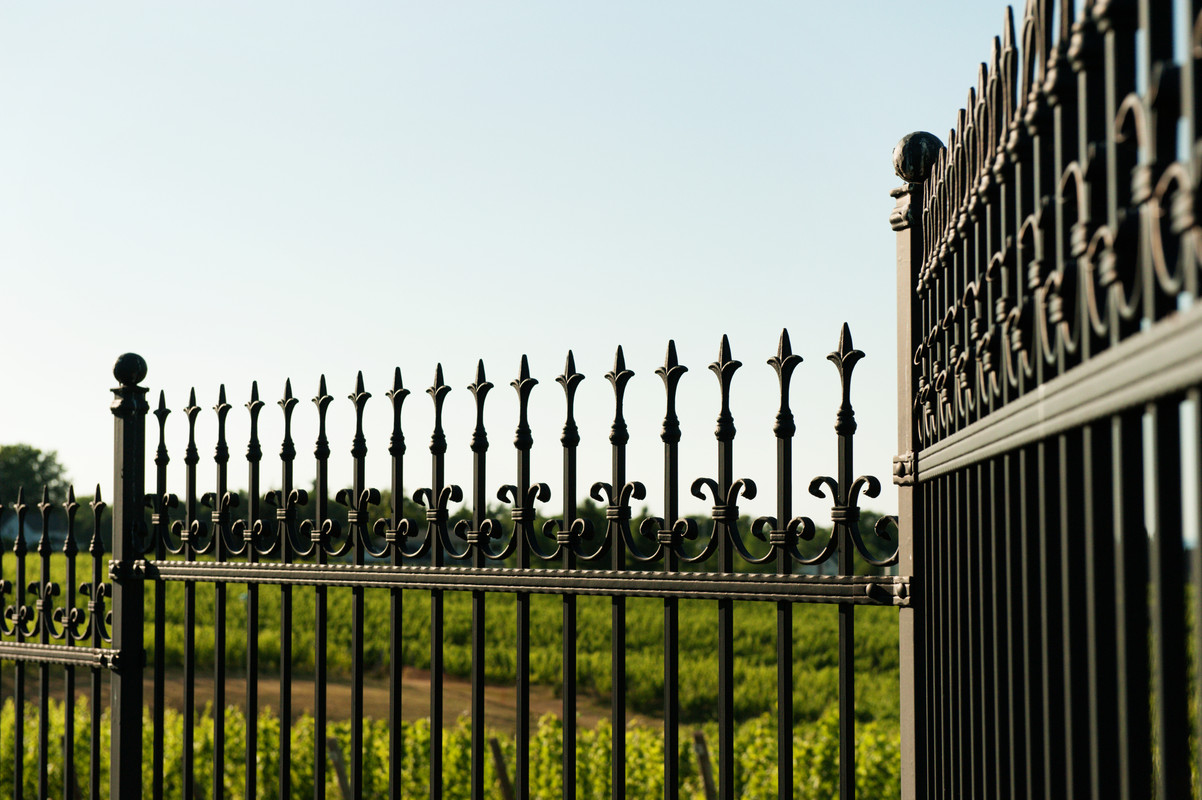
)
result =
(25, 466)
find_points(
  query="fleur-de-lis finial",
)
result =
(222, 452)
(191, 454)
(618, 377)
(287, 403)
(96, 546)
(724, 368)
(784, 362)
(70, 546)
(524, 438)
(44, 506)
(322, 401)
(438, 392)
(21, 509)
(254, 452)
(845, 359)
(671, 373)
(397, 395)
(569, 380)
(479, 389)
(161, 411)
(359, 397)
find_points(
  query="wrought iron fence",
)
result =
(1050, 393)
(289, 541)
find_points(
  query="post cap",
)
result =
(914, 156)
(130, 369)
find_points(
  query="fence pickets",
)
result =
(224, 539)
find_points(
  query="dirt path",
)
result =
(500, 702)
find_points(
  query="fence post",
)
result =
(129, 488)
(912, 160)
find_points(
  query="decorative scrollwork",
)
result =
(618, 514)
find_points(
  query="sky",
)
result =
(257, 191)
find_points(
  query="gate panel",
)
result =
(1048, 269)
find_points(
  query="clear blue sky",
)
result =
(243, 191)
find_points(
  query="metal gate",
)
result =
(1049, 387)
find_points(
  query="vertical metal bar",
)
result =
(220, 524)
(1169, 633)
(1102, 655)
(129, 409)
(933, 507)
(1195, 403)
(19, 667)
(357, 522)
(784, 362)
(523, 515)
(671, 373)
(999, 623)
(190, 530)
(161, 522)
(254, 455)
(1029, 491)
(396, 451)
(43, 627)
(958, 730)
(618, 437)
(981, 515)
(843, 516)
(1048, 470)
(570, 379)
(96, 615)
(1131, 601)
(1015, 626)
(285, 523)
(1075, 701)
(321, 454)
(70, 551)
(480, 388)
(438, 449)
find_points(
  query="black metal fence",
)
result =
(289, 541)
(1051, 409)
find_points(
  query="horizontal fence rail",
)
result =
(1052, 411)
(292, 543)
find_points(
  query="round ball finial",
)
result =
(130, 369)
(914, 156)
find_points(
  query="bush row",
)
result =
(815, 758)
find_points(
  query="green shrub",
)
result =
(815, 757)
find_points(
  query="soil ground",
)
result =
(500, 702)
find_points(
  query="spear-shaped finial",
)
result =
(96, 546)
(191, 454)
(359, 398)
(845, 360)
(254, 452)
(70, 547)
(724, 369)
(397, 395)
(160, 412)
(784, 362)
(524, 438)
(479, 389)
(618, 377)
(569, 380)
(438, 393)
(222, 452)
(671, 373)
